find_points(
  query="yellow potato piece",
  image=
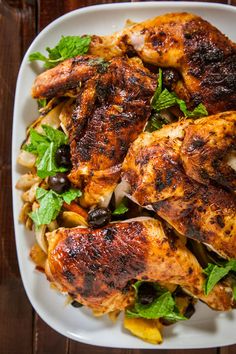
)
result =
(38, 256)
(147, 330)
(71, 219)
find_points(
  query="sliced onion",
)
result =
(27, 180)
(26, 159)
(40, 237)
(121, 191)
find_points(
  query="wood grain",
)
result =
(15, 309)
(21, 329)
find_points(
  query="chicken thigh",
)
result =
(158, 180)
(96, 266)
(204, 57)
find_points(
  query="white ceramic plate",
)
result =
(206, 328)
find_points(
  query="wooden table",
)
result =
(21, 329)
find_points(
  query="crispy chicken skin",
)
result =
(206, 149)
(205, 58)
(112, 110)
(157, 178)
(96, 266)
(65, 76)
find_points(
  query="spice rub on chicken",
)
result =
(158, 169)
(96, 266)
(110, 112)
(203, 56)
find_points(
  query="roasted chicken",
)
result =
(208, 150)
(111, 110)
(96, 266)
(204, 57)
(156, 169)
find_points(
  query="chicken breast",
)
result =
(96, 266)
(158, 180)
(204, 57)
(111, 110)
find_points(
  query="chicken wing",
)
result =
(158, 181)
(96, 266)
(204, 57)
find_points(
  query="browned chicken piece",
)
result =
(204, 57)
(111, 110)
(208, 148)
(154, 170)
(96, 266)
(66, 76)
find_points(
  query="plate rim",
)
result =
(89, 9)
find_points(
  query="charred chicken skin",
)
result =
(158, 180)
(111, 110)
(208, 149)
(96, 266)
(204, 57)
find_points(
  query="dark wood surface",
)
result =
(21, 329)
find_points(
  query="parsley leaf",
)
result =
(121, 209)
(67, 47)
(215, 273)
(50, 204)
(164, 99)
(163, 306)
(45, 147)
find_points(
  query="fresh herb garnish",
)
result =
(215, 273)
(42, 103)
(164, 99)
(155, 122)
(121, 209)
(45, 146)
(67, 47)
(163, 306)
(50, 204)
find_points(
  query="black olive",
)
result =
(189, 310)
(99, 217)
(63, 157)
(170, 77)
(76, 304)
(146, 293)
(59, 183)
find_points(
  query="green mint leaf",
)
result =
(37, 56)
(42, 103)
(50, 206)
(155, 122)
(199, 111)
(163, 306)
(40, 193)
(121, 209)
(71, 194)
(45, 146)
(163, 99)
(232, 264)
(55, 135)
(214, 275)
(67, 47)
